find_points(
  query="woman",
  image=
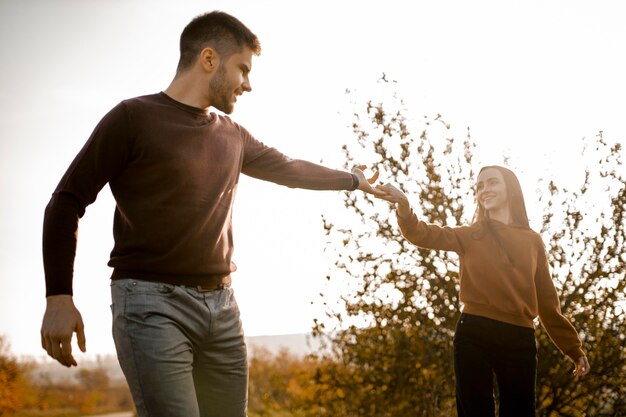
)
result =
(505, 284)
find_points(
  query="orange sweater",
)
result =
(513, 289)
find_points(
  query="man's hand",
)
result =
(60, 321)
(365, 184)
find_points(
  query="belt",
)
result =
(218, 284)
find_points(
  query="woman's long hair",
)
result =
(517, 208)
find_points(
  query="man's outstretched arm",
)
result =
(271, 165)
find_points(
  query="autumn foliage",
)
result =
(25, 393)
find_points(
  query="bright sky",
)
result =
(530, 78)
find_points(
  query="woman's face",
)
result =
(491, 190)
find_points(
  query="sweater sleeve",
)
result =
(558, 327)
(276, 167)
(100, 159)
(269, 164)
(430, 236)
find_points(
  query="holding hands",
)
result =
(386, 192)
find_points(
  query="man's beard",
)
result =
(220, 93)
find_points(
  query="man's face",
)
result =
(230, 80)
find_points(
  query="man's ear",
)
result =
(208, 59)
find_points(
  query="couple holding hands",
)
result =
(173, 168)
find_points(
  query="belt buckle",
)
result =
(225, 282)
(202, 288)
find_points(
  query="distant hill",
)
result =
(45, 368)
(297, 344)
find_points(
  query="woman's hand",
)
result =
(390, 193)
(582, 366)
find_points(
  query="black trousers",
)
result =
(484, 347)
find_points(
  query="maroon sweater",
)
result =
(173, 170)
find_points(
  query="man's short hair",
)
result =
(218, 30)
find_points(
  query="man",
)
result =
(173, 168)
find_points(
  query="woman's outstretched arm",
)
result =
(422, 234)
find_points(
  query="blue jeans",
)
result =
(484, 347)
(182, 351)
